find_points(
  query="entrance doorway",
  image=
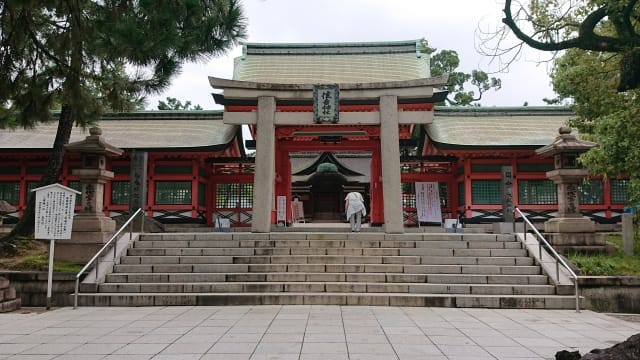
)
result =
(326, 196)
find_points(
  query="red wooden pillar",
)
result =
(376, 196)
(209, 200)
(195, 172)
(151, 186)
(467, 189)
(606, 188)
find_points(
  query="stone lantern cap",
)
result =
(94, 144)
(565, 142)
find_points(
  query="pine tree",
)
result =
(88, 56)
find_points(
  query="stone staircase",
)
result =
(414, 269)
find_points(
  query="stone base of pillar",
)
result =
(570, 225)
(589, 243)
(89, 234)
(507, 227)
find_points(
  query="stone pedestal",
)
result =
(89, 234)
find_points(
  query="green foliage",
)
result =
(41, 263)
(617, 264)
(604, 115)
(102, 55)
(608, 26)
(175, 104)
(446, 62)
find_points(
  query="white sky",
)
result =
(446, 24)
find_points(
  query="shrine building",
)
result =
(327, 119)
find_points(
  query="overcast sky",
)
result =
(446, 24)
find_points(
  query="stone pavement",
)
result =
(304, 332)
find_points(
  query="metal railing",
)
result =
(559, 260)
(114, 239)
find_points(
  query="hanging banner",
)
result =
(281, 208)
(428, 202)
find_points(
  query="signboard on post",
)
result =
(281, 208)
(54, 210)
(428, 202)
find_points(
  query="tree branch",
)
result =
(587, 39)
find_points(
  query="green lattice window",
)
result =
(77, 186)
(534, 167)
(591, 192)
(173, 192)
(10, 192)
(35, 170)
(120, 192)
(485, 192)
(10, 170)
(202, 194)
(444, 194)
(537, 192)
(234, 195)
(409, 194)
(30, 186)
(475, 168)
(619, 191)
(461, 193)
(165, 169)
(121, 169)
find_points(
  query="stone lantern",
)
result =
(569, 230)
(91, 228)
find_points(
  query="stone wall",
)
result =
(31, 287)
(8, 300)
(617, 294)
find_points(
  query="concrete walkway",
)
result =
(304, 332)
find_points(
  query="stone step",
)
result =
(334, 277)
(329, 268)
(375, 299)
(239, 236)
(314, 244)
(336, 287)
(273, 259)
(477, 260)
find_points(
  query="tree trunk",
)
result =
(25, 226)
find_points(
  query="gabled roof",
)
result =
(332, 63)
(325, 158)
(496, 127)
(171, 130)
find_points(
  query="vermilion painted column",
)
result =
(376, 204)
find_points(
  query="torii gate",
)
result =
(372, 117)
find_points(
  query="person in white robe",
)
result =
(355, 210)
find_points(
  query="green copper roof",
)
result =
(170, 130)
(496, 127)
(332, 63)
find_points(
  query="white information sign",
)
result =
(428, 202)
(54, 211)
(281, 209)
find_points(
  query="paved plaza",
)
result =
(304, 332)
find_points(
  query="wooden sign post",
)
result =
(54, 219)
